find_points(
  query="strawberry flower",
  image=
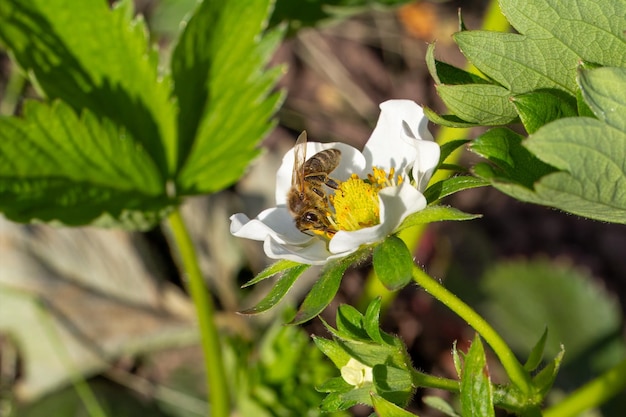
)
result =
(378, 188)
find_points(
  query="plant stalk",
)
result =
(592, 394)
(205, 310)
(513, 367)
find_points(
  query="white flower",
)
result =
(357, 374)
(394, 168)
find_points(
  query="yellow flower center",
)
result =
(356, 200)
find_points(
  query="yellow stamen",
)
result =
(356, 200)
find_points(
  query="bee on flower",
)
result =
(340, 198)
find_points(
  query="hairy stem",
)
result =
(513, 368)
(205, 310)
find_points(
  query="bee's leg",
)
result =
(331, 183)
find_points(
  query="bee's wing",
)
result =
(299, 152)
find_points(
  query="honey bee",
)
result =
(307, 201)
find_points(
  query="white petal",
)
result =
(275, 222)
(396, 203)
(314, 253)
(392, 143)
(352, 161)
(348, 242)
(425, 163)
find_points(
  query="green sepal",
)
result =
(278, 291)
(386, 408)
(393, 263)
(270, 271)
(544, 380)
(432, 214)
(323, 291)
(536, 354)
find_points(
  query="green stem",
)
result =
(592, 394)
(424, 380)
(513, 368)
(213, 361)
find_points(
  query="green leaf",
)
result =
(444, 73)
(449, 147)
(385, 408)
(590, 153)
(95, 58)
(448, 120)
(335, 352)
(540, 107)
(603, 90)
(224, 95)
(440, 404)
(514, 163)
(371, 322)
(433, 214)
(278, 291)
(482, 104)
(452, 185)
(55, 166)
(349, 323)
(536, 353)
(393, 263)
(520, 299)
(323, 292)
(545, 54)
(393, 383)
(476, 389)
(270, 271)
(544, 380)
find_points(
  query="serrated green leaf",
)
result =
(536, 353)
(545, 54)
(95, 58)
(278, 291)
(444, 73)
(603, 90)
(483, 104)
(385, 408)
(452, 185)
(540, 107)
(224, 94)
(433, 214)
(592, 157)
(476, 389)
(270, 271)
(322, 293)
(515, 163)
(56, 166)
(593, 31)
(393, 263)
(349, 323)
